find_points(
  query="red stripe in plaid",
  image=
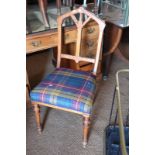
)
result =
(77, 102)
(42, 96)
(50, 83)
(66, 88)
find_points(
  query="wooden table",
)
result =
(117, 20)
(48, 39)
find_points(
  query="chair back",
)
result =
(84, 17)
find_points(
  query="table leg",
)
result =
(28, 88)
(106, 66)
(43, 9)
(28, 27)
(69, 3)
(58, 3)
(112, 38)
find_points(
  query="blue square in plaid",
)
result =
(67, 88)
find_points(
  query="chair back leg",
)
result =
(37, 114)
(86, 125)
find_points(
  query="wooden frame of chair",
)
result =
(80, 25)
(76, 58)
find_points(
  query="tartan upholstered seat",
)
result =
(67, 88)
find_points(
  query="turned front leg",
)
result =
(37, 114)
(86, 124)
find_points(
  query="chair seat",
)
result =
(67, 88)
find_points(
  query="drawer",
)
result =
(88, 48)
(40, 43)
(47, 41)
(90, 32)
(87, 33)
(86, 65)
(70, 36)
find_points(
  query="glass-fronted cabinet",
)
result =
(116, 11)
(41, 15)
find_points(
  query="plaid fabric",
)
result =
(67, 88)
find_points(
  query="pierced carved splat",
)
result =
(80, 17)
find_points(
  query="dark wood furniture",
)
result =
(112, 39)
(116, 20)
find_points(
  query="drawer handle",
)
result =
(36, 43)
(90, 30)
(90, 43)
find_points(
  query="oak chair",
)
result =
(67, 89)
